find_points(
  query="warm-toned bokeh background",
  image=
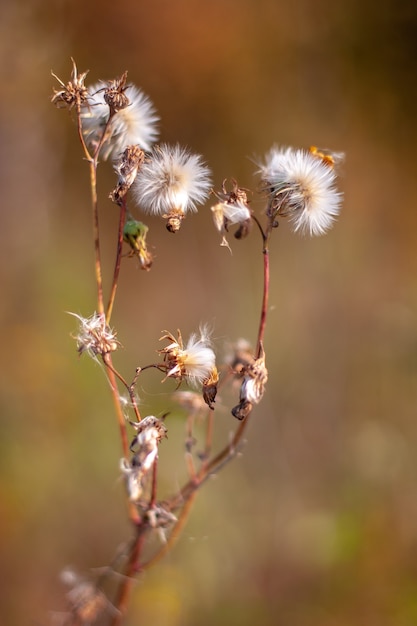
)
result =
(316, 523)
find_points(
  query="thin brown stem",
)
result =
(93, 162)
(209, 436)
(265, 299)
(130, 388)
(122, 218)
(133, 513)
(96, 236)
(227, 453)
(124, 591)
(175, 533)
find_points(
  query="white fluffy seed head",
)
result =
(136, 124)
(301, 186)
(172, 179)
(199, 359)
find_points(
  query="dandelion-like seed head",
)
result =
(95, 336)
(133, 121)
(171, 182)
(301, 186)
(195, 361)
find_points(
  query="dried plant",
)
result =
(117, 120)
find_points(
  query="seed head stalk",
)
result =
(122, 218)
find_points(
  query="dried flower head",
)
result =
(240, 355)
(150, 430)
(301, 186)
(232, 209)
(210, 388)
(86, 600)
(149, 433)
(127, 168)
(95, 336)
(195, 361)
(114, 94)
(134, 124)
(133, 479)
(74, 93)
(255, 377)
(171, 182)
(160, 519)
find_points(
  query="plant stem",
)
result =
(265, 299)
(117, 264)
(96, 236)
(133, 512)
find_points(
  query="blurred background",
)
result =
(316, 522)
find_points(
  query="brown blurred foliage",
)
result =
(316, 524)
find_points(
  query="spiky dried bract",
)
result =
(149, 433)
(127, 168)
(255, 377)
(114, 94)
(74, 93)
(171, 182)
(95, 336)
(195, 361)
(135, 124)
(301, 186)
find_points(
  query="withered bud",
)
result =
(244, 229)
(87, 602)
(242, 410)
(127, 168)
(174, 219)
(241, 357)
(255, 376)
(74, 93)
(210, 388)
(232, 209)
(151, 429)
(114, 94)
(159, 517)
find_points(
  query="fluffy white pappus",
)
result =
(172, 179)
(236, 213)
(303, 188)
(199, 359)
(136, 124)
